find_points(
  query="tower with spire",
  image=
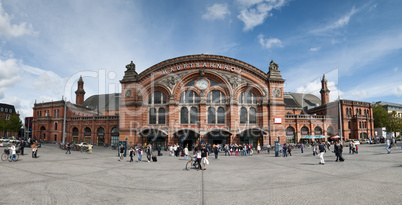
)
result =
(80, 92)
(324, 91)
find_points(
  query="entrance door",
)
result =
(101, 140)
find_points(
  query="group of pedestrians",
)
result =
(148, 150)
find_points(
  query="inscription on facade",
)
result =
(202, 66)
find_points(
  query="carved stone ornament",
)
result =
(128, 93)
(273, 66)
(276, 92)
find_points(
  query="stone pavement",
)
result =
(370, 177)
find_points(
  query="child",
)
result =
(357, 149)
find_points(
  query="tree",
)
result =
(13, 124)
(381, 116)
(394, 123)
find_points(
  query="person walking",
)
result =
(198, 156)
(159, 148)
(284, 149)
(216, 151)
(34, 148)
(132, 154)
(68, 146)
(204, 155)
(139, 154)
(388, 144)
(121, 152)
(13, 152)
(353, 147)
(268, 148)
(321, 149)
(258, 149)
(149, 152)
(340, 150)
(302, 147)
(22, 147)
(350, 147)
(185, 152)
(290, 150)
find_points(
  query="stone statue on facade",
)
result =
(273, 66)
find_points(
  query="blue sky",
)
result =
(46, 45)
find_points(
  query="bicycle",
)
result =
(7, 155)
(84, 149)
(191, 163)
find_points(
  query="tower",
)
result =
(79, 93)
(324, 91)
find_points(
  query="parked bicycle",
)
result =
(7, 155)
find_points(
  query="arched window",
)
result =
(157, 98)
(193, 115)
(243, 115)
(247, 98)
(189, 96)
(211, 115)
(184, 115)
(252, 118)
(75, 131)
(221, 115)
(317, 130)
(152, 116)
(304, 131)
(161, 116)
(216, 96)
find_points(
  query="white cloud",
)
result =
(314, 49)
(13, 30)
(395, 69)
(9, 70)
(398, 91)
(216, 11)
(341, 22)
(269, 42)
(255, 12)
(44, 80)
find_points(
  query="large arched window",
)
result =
(157, 98)
(152, 116)
(330, 131)
(247, 98)
(211, 115)
(216, 96)
(304, 131)
(317, 130)
(243, 115)
(252, 116)
(184, 115)
(189, 97)
(221, 115)
(161, 115)
(193, 115)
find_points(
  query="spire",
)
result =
(80, 92)
(324, 91)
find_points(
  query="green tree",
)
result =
(14, 124)
(394, 123)
(381, 116)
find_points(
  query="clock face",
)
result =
(202, 84)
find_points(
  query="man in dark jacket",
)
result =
(22, 147)
(321, 149)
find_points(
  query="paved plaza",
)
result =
(370, 177)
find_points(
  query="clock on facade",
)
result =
(202, 84)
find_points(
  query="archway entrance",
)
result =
(75, 134)
(155, 137)
(187, 137)
(87, 135)
(217, 136)
(252, 136)
(290, 135)
(101, 136)
(42, 133)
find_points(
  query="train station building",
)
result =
(202, 99)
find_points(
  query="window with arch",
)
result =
(193, 115)
(216, 97)
(252, 116)
(211, 115)
(304, 131)
(161, 116)
(184, 115)
(247, 97)
(189, 97)
(317, 130)
(221, 115)
(243, 115)
(157, 98)
(152, 116)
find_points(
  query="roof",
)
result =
(103, 102)
(382, 103)
(300, 100)
(6, 108)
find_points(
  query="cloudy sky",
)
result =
(46, 45)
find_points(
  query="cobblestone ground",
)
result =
(370, 177)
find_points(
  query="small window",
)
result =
(193, 115)
(221, 115)
(243, 115)
(211, 115)
(184, 115)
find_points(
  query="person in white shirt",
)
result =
(13, 152)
